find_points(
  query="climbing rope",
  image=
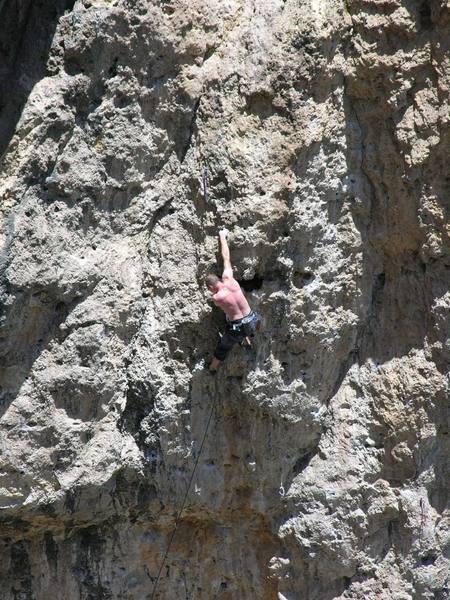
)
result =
(205, 184)
(213, 404)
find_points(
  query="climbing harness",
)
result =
(249, 325)
(213, 405)
(236, 325)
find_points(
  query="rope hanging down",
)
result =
(205, 184)
(213, 404)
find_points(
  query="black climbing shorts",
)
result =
(235, 332)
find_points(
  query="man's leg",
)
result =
(214, 364)
(226, 342)
(251, 328)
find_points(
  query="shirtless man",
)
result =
(242, 322)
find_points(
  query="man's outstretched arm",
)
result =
(227, 268)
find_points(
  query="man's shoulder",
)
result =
(231, 284)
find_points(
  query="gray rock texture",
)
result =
(325, 131)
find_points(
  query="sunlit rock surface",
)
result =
(324, 131)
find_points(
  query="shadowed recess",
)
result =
(26, 33)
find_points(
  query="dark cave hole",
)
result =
(425, 15)
(302, 278)
(260, 104)
(112, 71)
(139, 405)
(73, 66)
(381, 279)
(347, 582)
(122, 101)
(303, 462)
(275, 275)
(209, 52)
(61, 308)
(428, 559)
(167, 8)
(251, 284)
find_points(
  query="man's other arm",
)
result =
(227, 268)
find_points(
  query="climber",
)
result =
(242, 322)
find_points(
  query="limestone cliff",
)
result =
(324, 129)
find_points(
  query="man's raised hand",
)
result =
(227, 268)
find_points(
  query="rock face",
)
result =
(324, 128)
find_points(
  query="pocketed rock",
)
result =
(321, 131)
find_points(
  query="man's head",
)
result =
(212, 282)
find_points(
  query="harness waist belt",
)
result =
(242, 321)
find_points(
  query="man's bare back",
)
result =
(231, 300)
